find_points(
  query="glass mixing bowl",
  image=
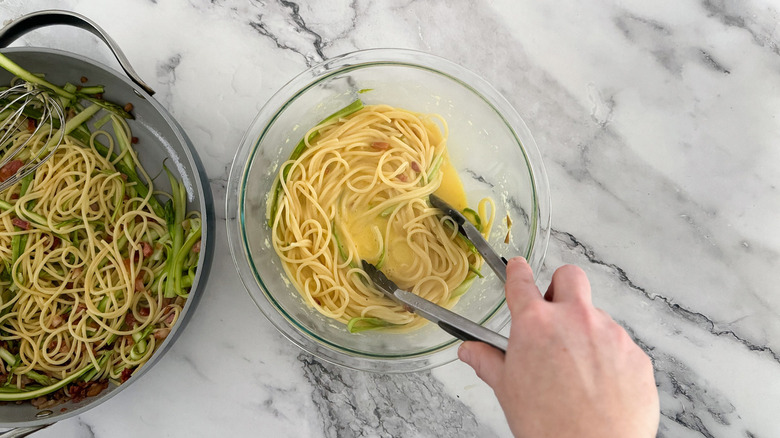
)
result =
(489, 145)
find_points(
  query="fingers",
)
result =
(569, 283)
(488, 362)
(520, 287)
(605, 315)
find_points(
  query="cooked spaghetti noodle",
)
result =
(88, 258)
(359, 190)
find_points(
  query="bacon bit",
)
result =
(401, 177)
(415, 166)
(139, 283)
(64, 348)
(96, 388)
(196, 247)
(126, 262)
(147, 249)
(31, 125)
(109, 238)
(77, 391)
(10, 169)
(143, 311)
(64, 410)
(14, 196)
(99, 95)
(56, 321)
(84, 79)
(129, 107)
(161, 333)
(134, 140)
(169, 319)
(380, 145)
(130, 320)
(126, 373)
(21, 223)
(38, 402)
(124, 178)
(166, 302)
(55, 243)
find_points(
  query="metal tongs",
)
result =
(449, 321)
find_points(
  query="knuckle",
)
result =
(533, 310)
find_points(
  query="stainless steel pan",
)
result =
(160, 139)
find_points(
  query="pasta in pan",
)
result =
(94, 270)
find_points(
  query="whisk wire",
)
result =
(34, 146)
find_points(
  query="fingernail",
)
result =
(517, 259)
(463, 353)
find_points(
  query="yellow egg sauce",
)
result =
(451, 188)
(367, 234)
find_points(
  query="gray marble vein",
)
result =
(697, 318)
(758, 20)
(673, 376)
(277, 24)
(357, 404)
(658, 125)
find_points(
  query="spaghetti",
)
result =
(94, 271)
(358, 189)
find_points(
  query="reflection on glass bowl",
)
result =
(489, 145)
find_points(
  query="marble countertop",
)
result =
(658, 124)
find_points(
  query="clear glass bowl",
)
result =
(489, 145)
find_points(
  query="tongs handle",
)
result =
(454, 324)
(50, 17)
(489, 337)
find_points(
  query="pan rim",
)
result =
(205, 206)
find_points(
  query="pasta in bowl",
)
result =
(338, 166)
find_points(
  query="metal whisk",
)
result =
(27, 109)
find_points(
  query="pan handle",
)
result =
(35, 20)
(21, 432)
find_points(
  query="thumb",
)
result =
(488, 362)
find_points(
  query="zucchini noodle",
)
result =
(359, 190)
(85, 260)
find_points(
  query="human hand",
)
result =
(570, 370)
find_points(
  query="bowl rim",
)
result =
(236, 232)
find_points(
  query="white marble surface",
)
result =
(658, 123)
